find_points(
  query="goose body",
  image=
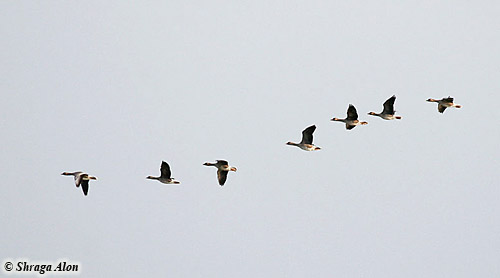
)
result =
(307, 140)
(445, 103)
(388, 112)
(165, 175)
(352, 118)
(82, 179)
(222, 169)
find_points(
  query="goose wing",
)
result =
(441, 108)
(389, 106)
(78, 180)
(448, 99)
(307, 135)
(222, 162)
(165, 170)
(85, 186)
(222, 176)
(352, 114)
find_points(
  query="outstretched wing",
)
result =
(352, 114)
(222, 162)
(78, 180)
(165, 170)
(389, 106)
(222, 176)
(307, 135)
(85, 186)
(448, 99)
(441, 108)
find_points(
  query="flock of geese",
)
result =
(351, 121)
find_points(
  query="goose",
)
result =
(388, 112)
(82, 179)
(445, 103)
(165, 175)
(307, 140)
(222, 169)
(352, 118)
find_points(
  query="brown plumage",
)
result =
(445, 103)
(351, 121)
(82, 179)
(222, 169)
(165, 175)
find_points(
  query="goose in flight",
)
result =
(307, 140)
(388, 112)
(445, 103)
(352, 118)
(82, 179)
(165, 175)
(222, 169)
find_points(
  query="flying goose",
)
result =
(445, 103)
(222, 169)
(82, 179)
(388, 112)
(352, 118)
(307, 140)
(165, 175)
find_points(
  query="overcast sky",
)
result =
(114, 88)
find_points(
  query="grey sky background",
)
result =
(115, 88)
